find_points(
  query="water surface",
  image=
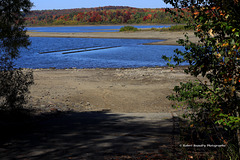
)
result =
(127, 53)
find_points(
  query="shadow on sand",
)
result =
(85, 135)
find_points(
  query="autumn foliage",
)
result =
(100, 15)
(212, 102)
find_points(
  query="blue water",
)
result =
(87, 28)
(130, 53)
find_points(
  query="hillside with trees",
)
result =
(99, 15)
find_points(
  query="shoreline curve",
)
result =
(168, 37)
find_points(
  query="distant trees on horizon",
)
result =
(98, 15)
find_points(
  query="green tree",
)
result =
(213, 103)
(12, 33)
(13, 82)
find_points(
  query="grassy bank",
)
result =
(171, 28)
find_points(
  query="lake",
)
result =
(91, 52)
(68, 29)
(100, 53)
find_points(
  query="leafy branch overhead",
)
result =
(215, 58)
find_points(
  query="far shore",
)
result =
(87, 25)
(169, 37)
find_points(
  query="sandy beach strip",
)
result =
(169, 37)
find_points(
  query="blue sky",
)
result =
(68, 4)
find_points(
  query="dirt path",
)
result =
(91, 136)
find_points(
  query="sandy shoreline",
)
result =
(136, 90)
(169, 37)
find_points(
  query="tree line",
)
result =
(99, 15)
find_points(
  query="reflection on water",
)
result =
(99, 53)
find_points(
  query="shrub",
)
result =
(128, 28)
(14, 88)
